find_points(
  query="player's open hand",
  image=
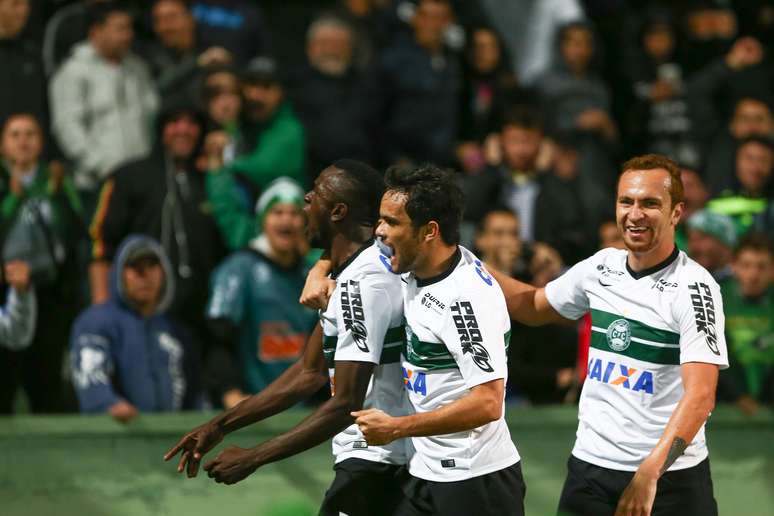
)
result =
(637, 499)
(194, 445)
(232, 465)
(377, 426)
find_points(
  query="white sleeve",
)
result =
(474, 334)
(18, 318)
(363, 318)
(699, 312)
(567, 295)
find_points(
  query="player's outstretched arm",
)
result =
(482, 405)
(526, 304)
(234, 464)
(298, 382)
(700, 381)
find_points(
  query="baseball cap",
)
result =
(715, 225)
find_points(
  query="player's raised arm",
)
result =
(297, 383)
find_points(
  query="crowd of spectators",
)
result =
(155, 156)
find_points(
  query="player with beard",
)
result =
(454, 366)
(356, 347)
(657, 344)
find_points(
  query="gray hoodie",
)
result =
(102, 113)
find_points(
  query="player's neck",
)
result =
(344, 246)
(642, 261)
(437, 261)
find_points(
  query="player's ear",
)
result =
(431, 231)
(339, 212)
(677, 213)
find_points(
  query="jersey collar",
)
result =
(338, 270)
(435, 279)
(652, 270)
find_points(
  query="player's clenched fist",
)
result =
(377, 426)
(232, 465)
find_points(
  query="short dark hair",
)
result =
(760, 140)
(363, 190)
(99, 12)
(432, 193)
(523, 117)
(482, 223)
(654, 162)
(756, 242)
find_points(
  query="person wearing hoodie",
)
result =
(163, 196)
(103, 100)
(126, 355)
(253, 307)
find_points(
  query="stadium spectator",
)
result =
(237, 26)
(127, 356)
(576, 99)
(371, 24)
(748, 304)
(530, 28)
(711, 241)
(710, 29)
(573, 95)
(751, 117)
(540, 374)
(713, 91)
(41, 224)
(163, 196)
(175, 56)
(488, 86)
(253, 307)
(23, 81)
(695, 197)
(515, 183)
(566, 205)
(750, 195)
(17, 322)
(68, 26)
(270, 139)
(103, 101)
(222, 99)
(421, 83)
(659, 120)
(332, 97)
(609, 235)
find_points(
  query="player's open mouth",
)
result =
(636, 230)
(385, 249)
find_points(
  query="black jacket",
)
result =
(149, 197)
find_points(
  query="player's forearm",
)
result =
(329, 419)
(691, 413)
(472, 411)
(296, 384)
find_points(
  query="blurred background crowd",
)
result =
(155, 156)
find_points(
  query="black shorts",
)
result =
(497, 494)
(363, 488)
(591, 490)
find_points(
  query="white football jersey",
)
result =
(364, 323)
(457, 332)
(644, 326)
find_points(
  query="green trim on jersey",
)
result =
(429, 355)
(643, 342)
(639, 330)
(435, 355)
(394, 342)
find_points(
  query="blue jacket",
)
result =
(117, 354)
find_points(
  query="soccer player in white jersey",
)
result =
(454, 368)
(356, 348)
(657, 345)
